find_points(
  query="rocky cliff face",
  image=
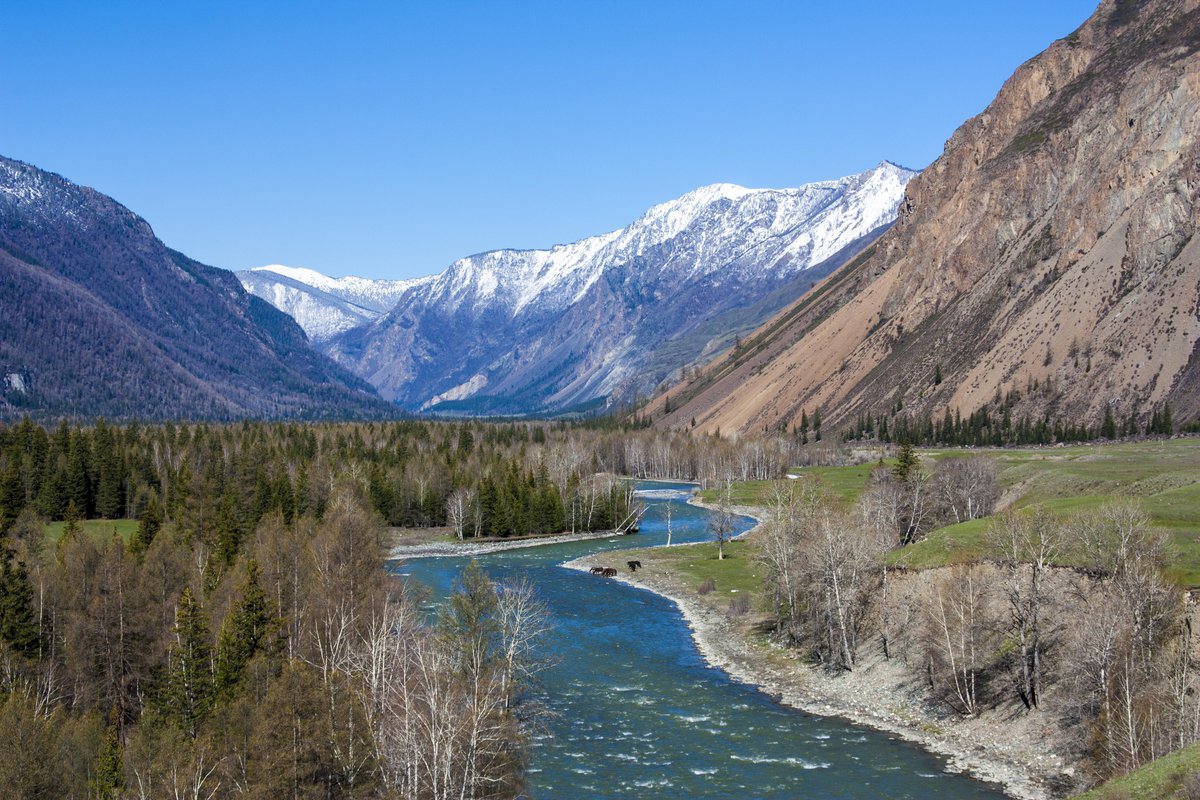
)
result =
(578, 325)
(1050, 250)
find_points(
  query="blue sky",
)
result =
(387, 139)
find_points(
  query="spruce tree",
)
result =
(110, 772)
(18, 623)
(1109, 429)
(187, 694)
(242, 635)
(148, 527)
(109, 500)
(468, 621)
(906, 462)
(79, 490)
(71, 526)
(12, 496)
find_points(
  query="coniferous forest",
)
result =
(244, 638)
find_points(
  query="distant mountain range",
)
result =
(582, 325)
(101, 318)
(324, 306)
(1046, 266)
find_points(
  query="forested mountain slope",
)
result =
(1044, 265)
(101, 318)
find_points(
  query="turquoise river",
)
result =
(634, 712)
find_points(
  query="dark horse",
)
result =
(634, 565)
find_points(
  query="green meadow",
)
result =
(1163, 476)
(98, 529)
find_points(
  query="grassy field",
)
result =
(844, 482)
(696, 563)
(1163, 476)
(1161, 779)
(98, 529)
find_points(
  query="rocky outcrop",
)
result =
(1048, 254)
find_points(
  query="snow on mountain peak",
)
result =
(578, 321)
(325, 306)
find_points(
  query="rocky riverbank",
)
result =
(1014, 750)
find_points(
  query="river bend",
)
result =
(636, 713)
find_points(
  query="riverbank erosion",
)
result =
(1025, 753)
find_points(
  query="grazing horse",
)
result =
(633, 565)
(596, 570)
(609, 572)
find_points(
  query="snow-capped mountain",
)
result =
(324, 306)
(610, 316)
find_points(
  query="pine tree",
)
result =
(242, 635)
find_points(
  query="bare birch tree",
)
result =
(458, 509)
(720, 524)
(959, 637)
(1028, 545)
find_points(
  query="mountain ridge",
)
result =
(543, 330)
(1044, 265)
(324, 306)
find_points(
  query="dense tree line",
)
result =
(993, 425)
(223, 479)
(492, 480)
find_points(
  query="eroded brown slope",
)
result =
(1051, 242)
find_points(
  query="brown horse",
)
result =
(634, 565)
(609, 572)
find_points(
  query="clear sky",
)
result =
(386, 139)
